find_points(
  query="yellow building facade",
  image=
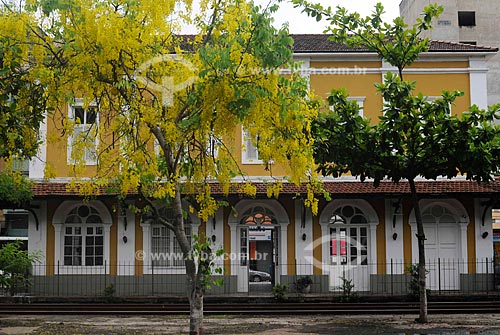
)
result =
(364, 234)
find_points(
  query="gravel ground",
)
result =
(263, 325)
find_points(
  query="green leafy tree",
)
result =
(413, 137)
(15, 265)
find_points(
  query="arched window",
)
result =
(348, 236)
(165, 249)
(83, 237)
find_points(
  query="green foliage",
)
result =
(347, 287)
(301, 283)
(413, 286)
(279, 292)
(109, 293)
(14, 188)
(15, 265)
(202, 252)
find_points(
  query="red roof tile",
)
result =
(319, 43)
(441, 187)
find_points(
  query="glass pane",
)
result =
(91, 115)
(343, 242)
(90, 230)
(348, 211)
(68, 260)
(94, 219)
(98, 230)
(358, 219)
(99, 251)
(73, 219)
(89, 240)
(78, 230)
(68, 251)
(68, 240)
(99, 240)
(79, 114)
(83, 211)
(89, 261)
(69, 230)
(89, 251)
(77, 260)
(98, 261)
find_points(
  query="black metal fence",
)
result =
(394, 278)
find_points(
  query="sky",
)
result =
(300, 23)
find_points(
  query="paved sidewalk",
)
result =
(264, 325)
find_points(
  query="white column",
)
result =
(284, 247)
(37, 163)
(394, 247)
(325, 240)
(484, 246)
(57, 247)
(107, 240)
(235, 261)
(126, 250)
(478, 82)
(463, 247)
(146, 247)
(373, 247)
(303, 253)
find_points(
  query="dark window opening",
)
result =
(466, 19)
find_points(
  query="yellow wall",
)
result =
(379, 207)
(138, 245)
(356, 84)
(290, 209)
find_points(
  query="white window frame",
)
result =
(59, 223)
(84, 235)
(361, 103)
(147, 234)
(89, 157)
(171, 247)
(249, 151)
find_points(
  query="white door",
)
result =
(243, 260)
(441, 249)
(349, 257)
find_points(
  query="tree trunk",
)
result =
(195, 289)
(196, 310)
(421, 254)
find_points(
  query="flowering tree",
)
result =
(165, 107)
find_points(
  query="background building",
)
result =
(465, 21)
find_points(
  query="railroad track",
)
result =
(250, 308)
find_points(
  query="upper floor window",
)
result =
(21, 165)
(84, 138)
(466, 19)
(250, 151)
